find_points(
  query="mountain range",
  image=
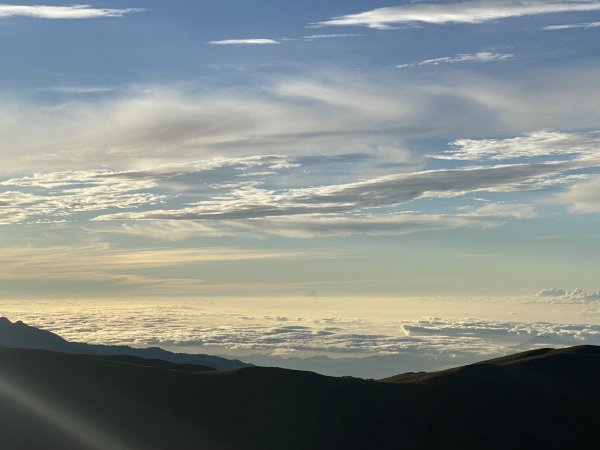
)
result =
(21, 335)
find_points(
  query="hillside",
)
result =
(544, 399)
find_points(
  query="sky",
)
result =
(274, 149)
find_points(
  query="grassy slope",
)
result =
(545, 400)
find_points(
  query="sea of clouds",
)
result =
(349, 344)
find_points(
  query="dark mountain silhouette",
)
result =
(21, 335)
(543, 399)
(379, 366)
(543, 340)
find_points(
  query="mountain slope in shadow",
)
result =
(544, 399)
(20, 335)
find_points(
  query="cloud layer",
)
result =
(317, 114)
(294, 329)
(271, 194)
(149, 271)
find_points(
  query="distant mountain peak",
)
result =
(20, 335)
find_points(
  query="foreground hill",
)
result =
(544, 399)
(20, 335)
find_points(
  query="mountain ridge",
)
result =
(543, 399)
(20, 335)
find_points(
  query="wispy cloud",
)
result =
(250, 202)
(475, 11)
(113, 267)
(314, 37)
(245, 42)
(79, 193)
(63, 12)
(165, 124)
(570, 26)
(307, 38)
(310, 114)
(334, 128)
(56, 196)
(479, 57)
(307, 226)
(78, 90)
(229, 196)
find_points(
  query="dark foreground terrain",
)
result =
(544, 399)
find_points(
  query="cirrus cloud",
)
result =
(475, 11)
(245, 42)
(479, 57)
(570, 26)
(63, 12)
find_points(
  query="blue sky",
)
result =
(271, 148)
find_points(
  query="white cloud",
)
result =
(245, 42)
(80, 192)
(582, 197)
(151, 154)
(314, 37)
(502, 210)
(552, 292)
(269, 194)
(578, 296)
(63, 12)
(570, 26)
(476, 11)
(322, 114)
(232, 195)
(305, 226)
(479, 57)
(543, 143)
(339, 210)
(253, 202)
(309, 226)
(154, 125)
(69, 195)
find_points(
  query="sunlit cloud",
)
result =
(480, 57)
(63, 12)
(315, 37)
(581, 197)
(571, 26)
(103, 257)
(231, 196)
(100, 264)
(301, 115)
(472, 12)
(578, 295)
(307, 225)
(543, 143)
(248, 330)
(250, 202)
(245, 42)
